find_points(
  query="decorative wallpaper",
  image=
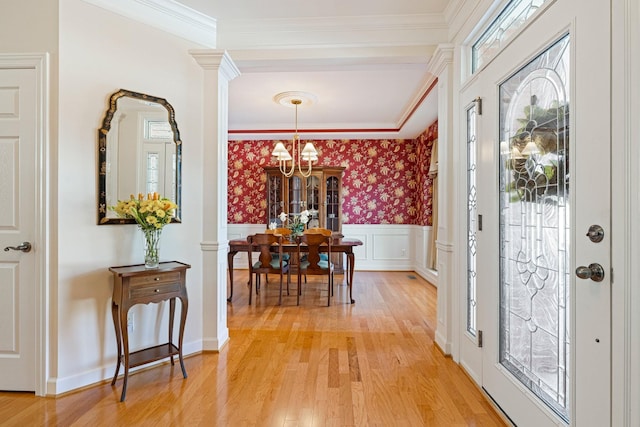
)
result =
(384, 182)
(424, 146)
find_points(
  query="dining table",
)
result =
(343, 245)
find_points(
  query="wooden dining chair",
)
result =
(325, 232)
(318, 230)
(313, 263)
(270, 260)
(283, 231)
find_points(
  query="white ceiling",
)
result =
(366, 61)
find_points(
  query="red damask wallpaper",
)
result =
(384, 182)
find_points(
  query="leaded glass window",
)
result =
(535, 226)
(512, 17)
(158, 129)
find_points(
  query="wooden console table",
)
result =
(135, 284)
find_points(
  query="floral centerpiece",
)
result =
(297, 223)
(151, 214)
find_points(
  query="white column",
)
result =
(219, 69)
(442, 67)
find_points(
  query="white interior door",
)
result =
(18, 124)
(544, 166)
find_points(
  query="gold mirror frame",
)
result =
(102, 155)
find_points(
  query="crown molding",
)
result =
(326, 32)
(166, 15)
(454, 15)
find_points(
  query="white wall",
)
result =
(29, 26)
(101, 52)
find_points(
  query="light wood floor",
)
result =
(373, 363)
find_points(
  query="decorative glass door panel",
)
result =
(472, 215)
(535, 226)
(152, 172)
(478, 193)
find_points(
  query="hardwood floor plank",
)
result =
(373, 363)
(354, 364)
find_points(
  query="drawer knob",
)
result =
(157, 279)
(157, 290)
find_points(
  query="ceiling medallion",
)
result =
(287, 98)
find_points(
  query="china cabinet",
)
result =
(319, 193)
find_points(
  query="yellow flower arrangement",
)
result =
(150, 212)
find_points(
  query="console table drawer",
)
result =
(154, 289)
(173, 276)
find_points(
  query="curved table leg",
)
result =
(350, 268)
(230, 256)
(172, 312)
(125, 346)
(183, 319)
(116, 324)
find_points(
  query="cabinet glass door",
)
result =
(313, 200)
(333, 204)
(274, 199)
(295, 195)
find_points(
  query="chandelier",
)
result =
(307, 155)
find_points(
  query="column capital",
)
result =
(442, 58)
(216, 59)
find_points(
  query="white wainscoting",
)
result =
(386, 247)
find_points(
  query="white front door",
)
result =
(18, 127)
(543, 181)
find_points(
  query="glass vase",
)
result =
(296, 230)
(151, 246)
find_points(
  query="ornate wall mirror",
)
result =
(139, 151)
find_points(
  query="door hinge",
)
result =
(479, 222)
(478, 102)
(479, 336)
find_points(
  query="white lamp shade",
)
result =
(309, 150)
(278, 149)
(283, 157)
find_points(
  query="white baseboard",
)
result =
(441, 341)
(427, 274)
(56, 386)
